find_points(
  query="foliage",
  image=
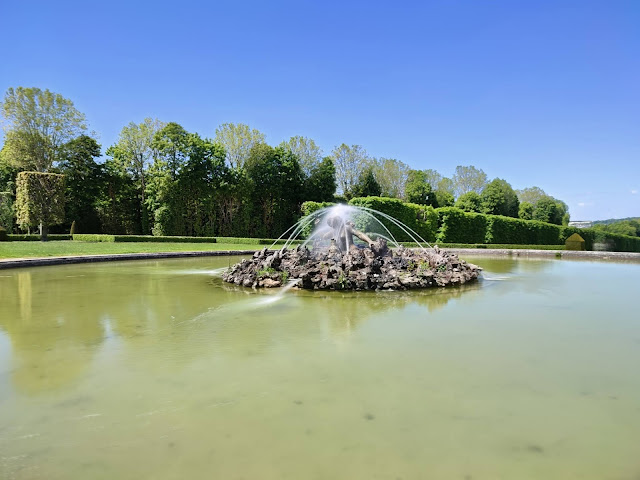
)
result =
(525, 211)
(276, 183)
(320, 185)
(548, 210)
(367, 185)
(444, 198)
(133, 151)
(39, 200)
(418, 189)
(391, 175)
(622, 227)
(3, 235)
(469, 202)
(468, 179)
(498, 198)
(350, 162)
(86, 237)
(6, 211)
(83, 178)
(457, 226)
(531, 195)
(237, 141)
(24, 237)
(419, 218)
(501, 229)
(308, 153)
(37, 123)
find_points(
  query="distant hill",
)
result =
(613, 220)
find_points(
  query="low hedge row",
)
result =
(89, 237)
(17, 237)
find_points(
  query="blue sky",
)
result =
(543, 93)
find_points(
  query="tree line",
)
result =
(160, 179)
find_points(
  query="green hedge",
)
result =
(16, 237)
(88, 237)
(3, 235)
(509, 246)
(456, 226)
(254, 241)
(419, 218)
(515, 231)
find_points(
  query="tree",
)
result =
(498, 198)
(391, 175)
(170, 143)
(525, 211)
(546, 210)
(433, 178)
(350, 162)
(367, 185)
(134, 151)
(6, 211)
(238, 140)
(308, 153)
(531, 195)
(468, 179)
(277, 188)
(83, 182)
(37, 123)
(320, 185)
(469, 202)
(444, 198)
(40, 200)
(418, 190)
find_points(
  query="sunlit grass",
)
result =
(65, 248)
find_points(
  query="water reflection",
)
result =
(59, 318)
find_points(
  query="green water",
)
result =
(158, 370)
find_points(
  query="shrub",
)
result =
(3, 235)
(36, 238)
(456, 226)
(419, 218)
(516, 231)
(73, 228)
(87, 237)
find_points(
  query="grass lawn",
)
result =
(69, 247)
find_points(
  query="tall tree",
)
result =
(238, 140)
(39, 200)
(391, 175)
(418, 189)
(498, 198)
(83, 182)
(468, 179)
(531, 195)
(308, 153)
(320, 185)
(37, 123)
(134, 150)
(469, 202)
(367, 185)
(350, 162)
(433, 178)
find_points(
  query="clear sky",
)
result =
(537, 92)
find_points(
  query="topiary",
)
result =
(72, 231)
(3, 235)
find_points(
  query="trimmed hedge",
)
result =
(515, 231)
(419, 218)
(88, 237)
(3, 235)
(457, 226)
(16, 237)
(510, 246)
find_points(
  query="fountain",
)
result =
(343, 257)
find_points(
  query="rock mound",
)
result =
(375, 267)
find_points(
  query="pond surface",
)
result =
(156, 369)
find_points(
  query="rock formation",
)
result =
(375, 267)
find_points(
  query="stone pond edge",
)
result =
(463, 252)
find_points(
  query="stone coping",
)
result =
(464, 252)
(66, 260)
(566, 254)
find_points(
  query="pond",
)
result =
(156, 369)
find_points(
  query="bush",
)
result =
(87, 237)
(509, 230)
(421, 219)
(3, 235)
(456, 226)
(36, 238)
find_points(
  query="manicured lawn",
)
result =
(63, 248)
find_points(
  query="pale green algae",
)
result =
(155, 369)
